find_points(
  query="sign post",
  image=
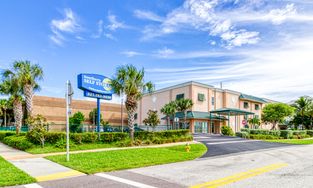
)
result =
(68, 98)
(96, 86)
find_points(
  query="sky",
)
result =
(257, 47)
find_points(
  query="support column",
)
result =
(98, 117)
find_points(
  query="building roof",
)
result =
(231, 111)
(197, 115)
(252, 98)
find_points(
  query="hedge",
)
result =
(263, 137)
(259, 131)
(299, 132)
(227, 131)
(145, 135)
(245, 130)
(18, 142)
(242, 134)
(4, 134)
(310, 133)
(286, 134)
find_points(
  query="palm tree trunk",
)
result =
(131, 120)
(5, 117)
(185, 118)
(28, 90)
(168, 121)
(18, 114)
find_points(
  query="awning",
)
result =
(197, 115)
(231, 111)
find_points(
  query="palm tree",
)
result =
(131, 80)
(29, 74)
(4, 105)
(183, 105)
(169, 110)
(11, 85)
(302, 105)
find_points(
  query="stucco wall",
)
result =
(54, 109)
(200, 105)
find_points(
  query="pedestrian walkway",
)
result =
(39, 168)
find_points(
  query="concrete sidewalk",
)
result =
(39, 168)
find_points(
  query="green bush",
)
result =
(310, 133)
(53, 137)
(144, 135)
(18, 142)
(4, 134)
(245, 130)
(113, 137)
(242, 134)
(286, 134)
(259, 131)
(89, 137)
(274, 133)
(227, 131)
(299, 132)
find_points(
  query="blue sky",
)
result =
(259, 47)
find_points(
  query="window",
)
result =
(212, 102)
(180, 96)
(245, 104)
(256, 107)
(201, 97)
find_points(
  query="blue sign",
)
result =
(97, 95)
(95, 83)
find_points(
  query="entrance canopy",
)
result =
(230, 112)
(198, 115)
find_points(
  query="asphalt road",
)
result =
(230, 162)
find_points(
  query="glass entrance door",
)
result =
(201, 127)
(212, 127)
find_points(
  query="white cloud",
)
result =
(100, 30)
(114, 23)
(165, 52)
(148, 15)
(131, 53)
(278, 16)
(69, 24)
(281, 71)
(109, 36)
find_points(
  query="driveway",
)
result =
(222, 145)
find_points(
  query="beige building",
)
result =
(213, 107)
(54, 110)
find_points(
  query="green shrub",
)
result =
(310, 133)
(227, 131)
(54, 137)
(113, 137)
(77, 138)
(62, 143)
(4, 134)
(18, 142)
(245, 130)
(89, 137)
(299, 132)
(259, 131)
(286, 134)
(124, 143)
(242, 134)
(144, 135)
(274, 133)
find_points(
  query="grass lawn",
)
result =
(51, 148)
(10, 175)
(293, 141)
(131, 158)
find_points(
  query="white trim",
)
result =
(33, 185)
(125, 181)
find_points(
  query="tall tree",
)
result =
(11, 85)
(4, 106)
(130, 80)
(152, 119)
(29, 74)
(183, 105)
(302, 107)
(169, 111)
(276, 113)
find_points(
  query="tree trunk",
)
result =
(185, 118)
(274, 126)
(18, 114)
(5, 117)
(168, 121)
(28, 90)
(131, 120)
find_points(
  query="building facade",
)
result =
(206, 98)
(54, 110)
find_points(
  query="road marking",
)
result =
(33, 185)
(60, 175)
(229, 142)
(240, 176)
(125, 181)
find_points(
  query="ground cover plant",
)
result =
(129, 158)
(293, 141)
(10, 175)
